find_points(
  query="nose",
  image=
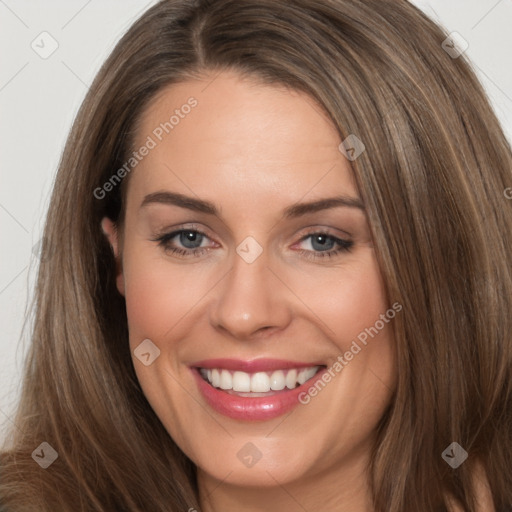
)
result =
(250, 301)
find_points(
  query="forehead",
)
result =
(240, 137)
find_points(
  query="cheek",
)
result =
(157, 296)
(347, 300)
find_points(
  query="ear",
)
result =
(110, 231)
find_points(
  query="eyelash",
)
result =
(344, 245)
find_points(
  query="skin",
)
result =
(254, 150)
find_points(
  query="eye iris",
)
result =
(326, 242)
(189, 238)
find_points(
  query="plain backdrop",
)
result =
(40, 95)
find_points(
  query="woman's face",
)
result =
(247, 259)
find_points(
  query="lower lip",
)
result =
(253, 409)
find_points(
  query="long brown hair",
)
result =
(432, 178)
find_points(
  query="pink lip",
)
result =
(252, 409)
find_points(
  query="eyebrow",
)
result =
(293, 211)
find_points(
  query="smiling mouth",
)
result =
(258, 384)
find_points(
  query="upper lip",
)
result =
(254, 365)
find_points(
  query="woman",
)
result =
(278, 273)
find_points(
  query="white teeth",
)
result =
(215, 378)
(305, 375)
(277, 381)
(291, 379)
(241, 381)
(226, 381)
(260, 382)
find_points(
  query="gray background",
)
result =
(39, 98)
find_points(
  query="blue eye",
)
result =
(322, 244)
(190, 239)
